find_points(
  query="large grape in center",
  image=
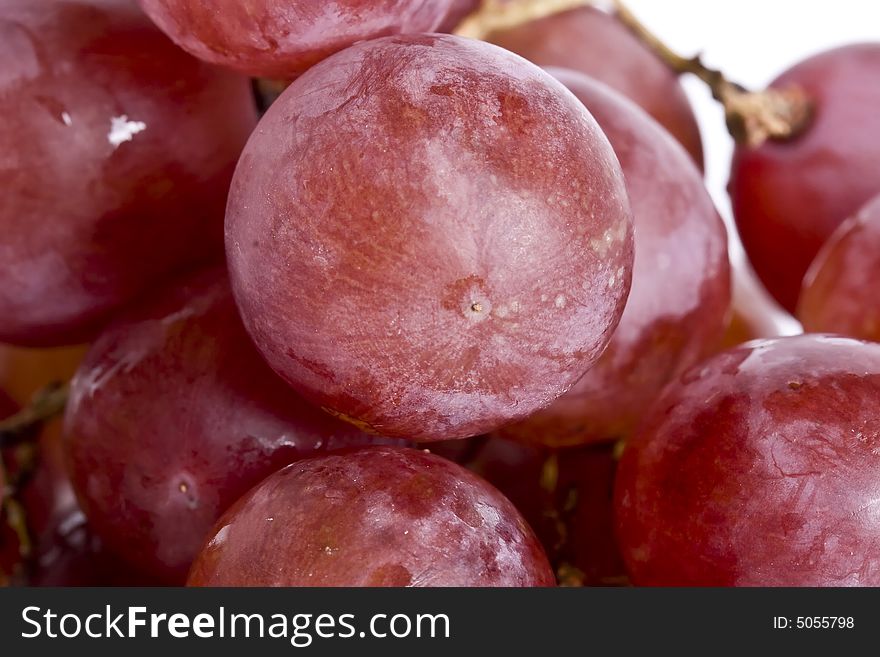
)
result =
(429, 236)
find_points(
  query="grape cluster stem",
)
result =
(46, 404)
(753, 117)
(496, 15)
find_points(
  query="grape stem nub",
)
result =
(753, 117)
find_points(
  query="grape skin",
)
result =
(441, 294)
(840, 293)
(597, 44)
(267, 38)
(173, 415)
(677, 308)
(789, 196)
(759, 468)
(116, 151)
(378, 516)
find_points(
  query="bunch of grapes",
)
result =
(356, 293)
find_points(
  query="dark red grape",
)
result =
(378, 516)
(282, 39)
(116, 151)
(61, 550)
(565, 495)
(442, 244)
(680, 296)
(841, 293)
(593, 42)
(70, 554)
(45, 501)
(761, 467)
(789, 196)
(64, 551)
(173, 416)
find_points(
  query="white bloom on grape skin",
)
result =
(123, 130)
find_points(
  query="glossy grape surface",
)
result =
(379, 516)
(281, 39)
(789, 196)
(761, 467)
(442, 244)
(680, 296)
(116, 151)
(173, 416)
(841, 292)
(597, 44)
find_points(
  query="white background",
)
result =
(752, 41)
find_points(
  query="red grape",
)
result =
(442, 244)
(116, 151)
(173, 416)
(65, 552)
(565, 495)
(71, 555)
(379, 516)
(282, 39)
(761, 467)
(840, 292)
(62, 551)
(789, 196)
(593, 42)
(677, 308)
